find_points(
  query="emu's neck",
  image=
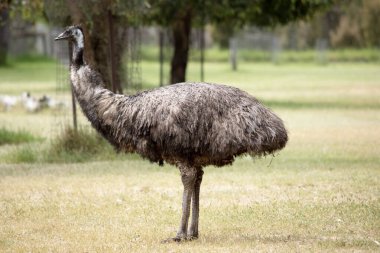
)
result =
(78, 49)
(98, 104)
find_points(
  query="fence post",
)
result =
(233, 53)
(112, 52)
(276, 50)
(320, 51)
(161, 55)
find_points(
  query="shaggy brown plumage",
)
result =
(190, 125)
(194, 123)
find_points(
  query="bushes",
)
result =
(69, 146)
(79, 146)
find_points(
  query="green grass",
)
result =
(293, 86)
(35, 74)
(320, 194)
(16, 137)
(78, 146)
(23, 154)
(215, 54)
(69, 146)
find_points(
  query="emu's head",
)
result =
(72, 33)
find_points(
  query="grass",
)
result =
(69, 146)
(215, 54)
(15, 137)
(23, 154)
(113, 207)
(293, 86)
(35, 74)
(78, 146)
(320, 194)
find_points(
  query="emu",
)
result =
(188, 125)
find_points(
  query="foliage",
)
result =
(354, 24)
(238, 13)
(4, 32)
(125, 11)
(16, 137)
(264, 13)
(359, 25)
(371, 23)
(181, 15)
(29, 10)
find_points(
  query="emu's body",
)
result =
(189, 125)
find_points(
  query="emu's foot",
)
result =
(177, 239)
(192, 237)
(180, 239)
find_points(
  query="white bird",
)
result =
(8, 102)
(30, 103)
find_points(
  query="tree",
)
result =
(105, 24)
(181, 15)
(358, 24)
(4, 31)
(30, 10)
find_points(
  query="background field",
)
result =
(319, 194)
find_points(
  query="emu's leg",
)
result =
(188, 176)
(193, 231)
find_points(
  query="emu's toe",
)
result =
(174, 239)
(192, 237)
(179, 239)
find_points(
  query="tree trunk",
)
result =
(77, 17)
(100, 45)
(181, 39)
(4, 33)
(116, 47)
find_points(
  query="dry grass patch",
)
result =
(131, 206)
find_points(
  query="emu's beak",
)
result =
(63, 36)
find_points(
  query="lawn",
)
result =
(320, 194)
